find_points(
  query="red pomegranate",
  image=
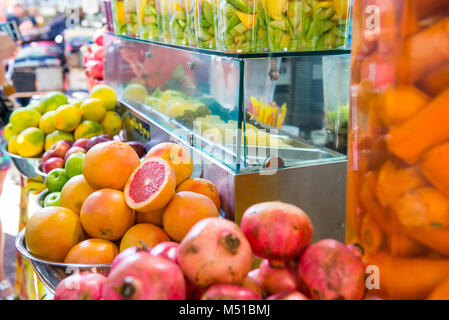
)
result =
(80, 286)
(331, 271)
(252, 282)
(145, 277)
(128, 252)
(223, 291)
(167, 249)
(278, 279)
(288, 295)
(277, 231)
(215, 251)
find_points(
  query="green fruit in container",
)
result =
(23, 118)
(112, 123)
(207, 24)
(53, 200)
(56, 179)
(74, 164)
(30, 142)
(52, 100)
(106, 94)
(119, 16)
(147, 13)
(88, 129)
(55, 136)
(178, 22)
(163, 18)
(10, 132)
(135, 93)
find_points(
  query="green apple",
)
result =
(56, 179)
(52, 200)
(74, 164)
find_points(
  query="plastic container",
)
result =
(131, 17)
(398, 178)
(178, 22)
(163, 19)
(325, 24)
(207, 23)
(238, 25)
(147, 19)
(119, 17)
(284, 24)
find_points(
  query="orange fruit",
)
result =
(177, 156)
(184, 211)
(105, 215)
(203, 186)
(93, 110)
(148, 233)
(52, 231)
(150, 186)
(109, 165)
(92, 251)
(67, 118)
(74, 192)
(153, 217)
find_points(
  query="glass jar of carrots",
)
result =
(398, 157)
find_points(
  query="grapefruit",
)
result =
(74, 193)
(150, 186)
(109, 165)
(52, 231)
(177, 156)
(153, 217)
(92, 251)
(149, 234)
(105, 215)
(184, 211)
(203, 186)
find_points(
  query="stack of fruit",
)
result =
(147, 13)
(94, 61)
(119, 16)
(131, 17)
(213, 261)
(36, 128)
(178, 22)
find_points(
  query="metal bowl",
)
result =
(51, 273)
(26, 166)
(40, 171)
(40, 199)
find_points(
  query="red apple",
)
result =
(57, 150)
(138, 147)
(81, 143)
(73, 150)
(52, 163)
(96, 140)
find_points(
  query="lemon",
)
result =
(155, 103)
(12, 145)
(112, 123)
(106, 94)
(52, 100)
(135, 92)
(30, 142)
(93, 110)
(67, 117)
(47, 122)
(77, 103)
(88, 129)
(55, 136)
(10, 132)
(23, 118)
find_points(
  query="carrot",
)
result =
(401, 103)
(434, 238)
(408, 278)
(386, 184)
(441, 292)
(423, 208)
(436, 81)
(423, 131)
(424, 51)
(410, 23)
(434, 166)
(371, 235)
(400, 245)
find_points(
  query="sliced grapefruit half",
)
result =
(151, 185)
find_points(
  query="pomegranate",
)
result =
(167, 249)
(223, 291)
(252, 282)
(80, 286)
(145, 277)
(277, 231)
(128, 252)
(286, 295)
(331, 271)
(215, 251)
(278, 279)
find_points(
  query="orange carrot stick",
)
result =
(371, 235)
(436, 81)
(441, 292)
(400, 245)
(423, 131)
(434, 166)
(408, 278)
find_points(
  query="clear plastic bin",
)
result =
(119, 17)
(147, 14)
(131, 17)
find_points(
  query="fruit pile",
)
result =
(213, 261)
(36, 128)
(94, 60)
